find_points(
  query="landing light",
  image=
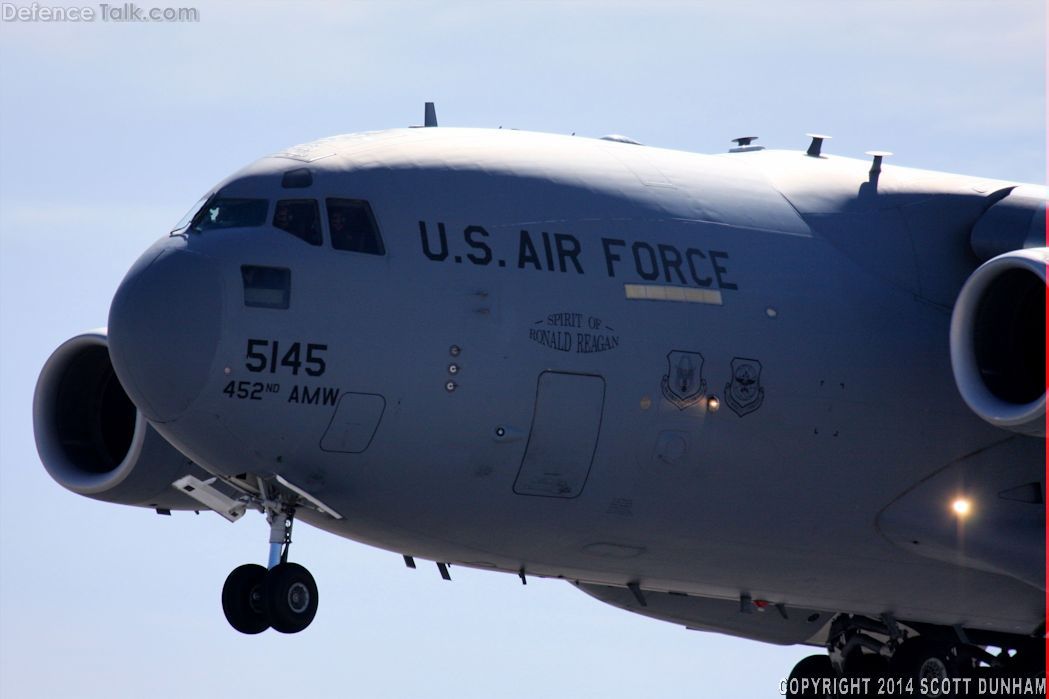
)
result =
(713, 404)
(962, 507)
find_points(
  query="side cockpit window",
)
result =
(227, 212)
(300, 217)
(353, 227)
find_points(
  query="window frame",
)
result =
(216, 197)
(320, 222)
(372, 219)
(283, 272)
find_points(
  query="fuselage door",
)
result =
(565, 429)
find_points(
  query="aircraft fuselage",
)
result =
(598, 361)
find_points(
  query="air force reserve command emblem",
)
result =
(744, 393)
(683, 384)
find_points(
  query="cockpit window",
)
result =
(353, 227)
(300, 217)
(184, 221)
(223, 212)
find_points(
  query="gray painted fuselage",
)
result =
(833, 286)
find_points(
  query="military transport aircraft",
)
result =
(784, 395)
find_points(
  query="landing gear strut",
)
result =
(283, 597)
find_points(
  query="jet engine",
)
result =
(92, 439)
(998, 341)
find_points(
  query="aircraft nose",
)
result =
(164, 327)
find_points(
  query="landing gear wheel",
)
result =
(290, 597)
(243, 599)
(804, 680)
(866, 665)
(927, 664)
(1029, 660)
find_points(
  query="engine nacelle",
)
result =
(92, 439)
(998, 341)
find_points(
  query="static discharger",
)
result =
(444, 570)
(878, 155)
(817, 144)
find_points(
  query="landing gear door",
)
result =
(565, 429)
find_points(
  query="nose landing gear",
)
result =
(290, 597)
(283, 597)
(243, 598)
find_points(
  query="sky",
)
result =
(109, 131)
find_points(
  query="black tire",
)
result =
(924, 662)
(866, 665)
(814, 667)
(291, 597)
(1029, 660)
(868, 669)
(243, 599)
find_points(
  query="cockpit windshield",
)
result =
(184, 221)
(229, 212)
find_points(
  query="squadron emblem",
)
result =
(744, 393)
(683, 384)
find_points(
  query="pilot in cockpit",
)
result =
(282, 216)
(340, 233)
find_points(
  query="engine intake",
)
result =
(998, 341)
(94, 441)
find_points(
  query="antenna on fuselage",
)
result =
(878, 155)
(745, 144)
(816, 145)
(430, 117)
